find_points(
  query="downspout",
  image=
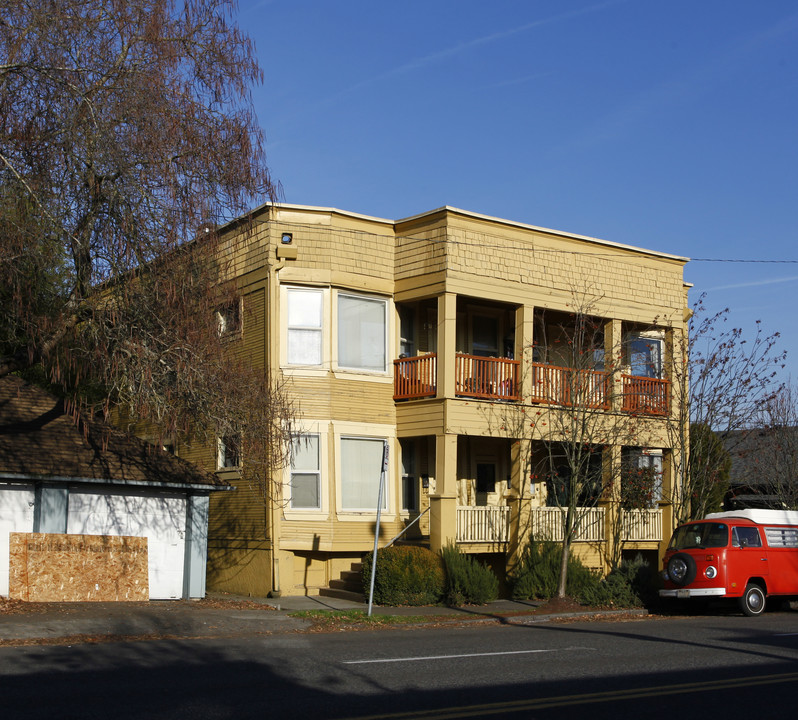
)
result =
(272, 511)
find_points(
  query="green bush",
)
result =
(629, 585)
(615, 590)
(538, 574)
(468, 581)
(405, 575)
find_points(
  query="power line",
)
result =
(729, 260)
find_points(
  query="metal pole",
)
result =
(377, 528)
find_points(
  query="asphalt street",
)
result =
(654, 667)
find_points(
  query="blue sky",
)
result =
(667, 125)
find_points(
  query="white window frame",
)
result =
(300, 438)
(221, 455)
(365, 431)
(386, 334)
(650, 337)
(321, 430)
(323, 294)
(647, 457)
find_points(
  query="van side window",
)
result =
(746, 537)
(782, 537)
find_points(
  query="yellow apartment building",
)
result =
(443, 336)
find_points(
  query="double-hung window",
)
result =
(361, 470)
(306, 473)
(642, 479)
(362, 333)
(305, 306)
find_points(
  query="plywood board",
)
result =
(50, 567)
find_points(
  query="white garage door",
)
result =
(16, 515)
(161, 519)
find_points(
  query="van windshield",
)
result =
(700, 535)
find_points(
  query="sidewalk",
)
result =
(231, 617)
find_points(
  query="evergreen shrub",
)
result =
(538, 574)
(468, 581)
(405, 575)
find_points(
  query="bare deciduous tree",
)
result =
(127, 134)
(584, 420)
(720, 381)
(772, 461)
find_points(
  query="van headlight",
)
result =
(711, 571)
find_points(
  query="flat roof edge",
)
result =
(464, 213)
(320, 209)
(538, 228)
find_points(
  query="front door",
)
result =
(486, 481)
(746, 558)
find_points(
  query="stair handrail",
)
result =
(407, 527)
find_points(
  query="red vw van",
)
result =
(746, 554)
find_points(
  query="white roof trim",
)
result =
(561, 233)
(759, 516)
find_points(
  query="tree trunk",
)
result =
(566, 551)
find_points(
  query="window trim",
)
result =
(636, 455)
(285, 328)
(321, 429)
(318, 472)
(221, 454)
(386, 305)
(651, 336)
(367, 432)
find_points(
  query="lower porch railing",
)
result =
(642, 525)
(488, 524)
(547, 524)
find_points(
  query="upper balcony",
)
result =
(498, 379)
(570, 356)
(475, 377)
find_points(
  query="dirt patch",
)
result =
(9, 606)
(557, 605)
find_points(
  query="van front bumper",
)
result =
(693, 592)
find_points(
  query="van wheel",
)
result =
(752, 603)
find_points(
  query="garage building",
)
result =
(61, 474)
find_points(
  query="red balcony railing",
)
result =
(497, 379)
(486, 378)
(415, 377)
(568, 387)
(645, 396)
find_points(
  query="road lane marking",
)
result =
(464, 655)
(515, 706)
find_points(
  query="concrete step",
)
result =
(342, 594)
(344, 585)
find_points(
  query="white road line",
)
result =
(450, 657)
